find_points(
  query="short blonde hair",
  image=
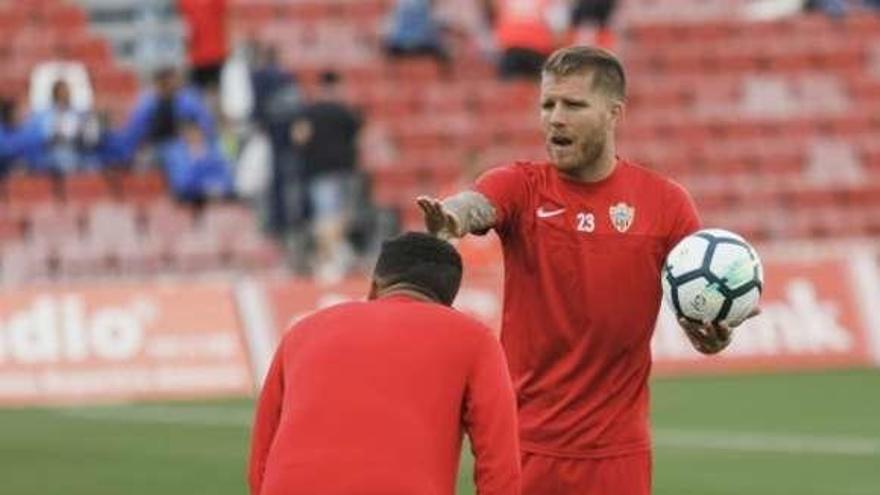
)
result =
(608, 74)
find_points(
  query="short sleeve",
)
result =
(684, 219)
(504, 187)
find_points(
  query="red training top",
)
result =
(524, 24)
(582, 291)
(373, 397)
(206, 21)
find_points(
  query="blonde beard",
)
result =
(590, 155)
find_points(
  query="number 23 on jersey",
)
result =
(586, 222)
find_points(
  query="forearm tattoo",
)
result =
(473, 210)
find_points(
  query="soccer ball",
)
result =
(713, 276)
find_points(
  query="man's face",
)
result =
(61, 95)
(192, 136)
(577, 120)
(167, 84)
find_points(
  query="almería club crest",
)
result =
(622, 216)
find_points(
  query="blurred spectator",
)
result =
(466, 25)
(206, 40)
(16, 140)
(236, 95)
(195, 167)
(268, 169)
(413, 30)
(159, 113)
(46, 74)
(110, 148)
(284, 204)
(267, 79)
(840, 7)
(70, 136)
(830, 7)
(590, 20)
(253, 166)
(8, 128)
(326, 134)
(527, 31)
(769, 10)
(275, 97)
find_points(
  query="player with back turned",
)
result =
(584, 238)
(372, 397)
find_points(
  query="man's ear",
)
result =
(617, 111)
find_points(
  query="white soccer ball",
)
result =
(713, 276)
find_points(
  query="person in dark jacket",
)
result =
(326, 133)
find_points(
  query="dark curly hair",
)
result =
(420, 262)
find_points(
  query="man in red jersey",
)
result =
(584, 239)
(207, 46)
(372, 397)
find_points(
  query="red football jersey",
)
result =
(582, 290)
(373, 398)
(206, 24)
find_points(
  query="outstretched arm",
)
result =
(455, 216)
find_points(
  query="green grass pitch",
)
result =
(804, 434)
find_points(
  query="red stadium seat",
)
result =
(83, 258)
(10, 228)
(143, 187)
(86, 189)
(115, 81)
(141, 256)
(872, 221)
(22, 262)
(53, 223)
(256, 252)
(94, 52)
(23, 191)
(13, 17)
(112, 224)
(64, 16)
(196, 251)
(226, 223)
(167, 221)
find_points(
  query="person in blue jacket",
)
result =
(18, 141)
(158, 115)
(69, 136)
(413, 31)
(195, 167)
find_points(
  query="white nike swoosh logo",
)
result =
(547, 214)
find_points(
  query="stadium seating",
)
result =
(24, 191)
(713, 93)
(771, 124)
(86, 189)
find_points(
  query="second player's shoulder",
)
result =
(324, 317)
(462, 325)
